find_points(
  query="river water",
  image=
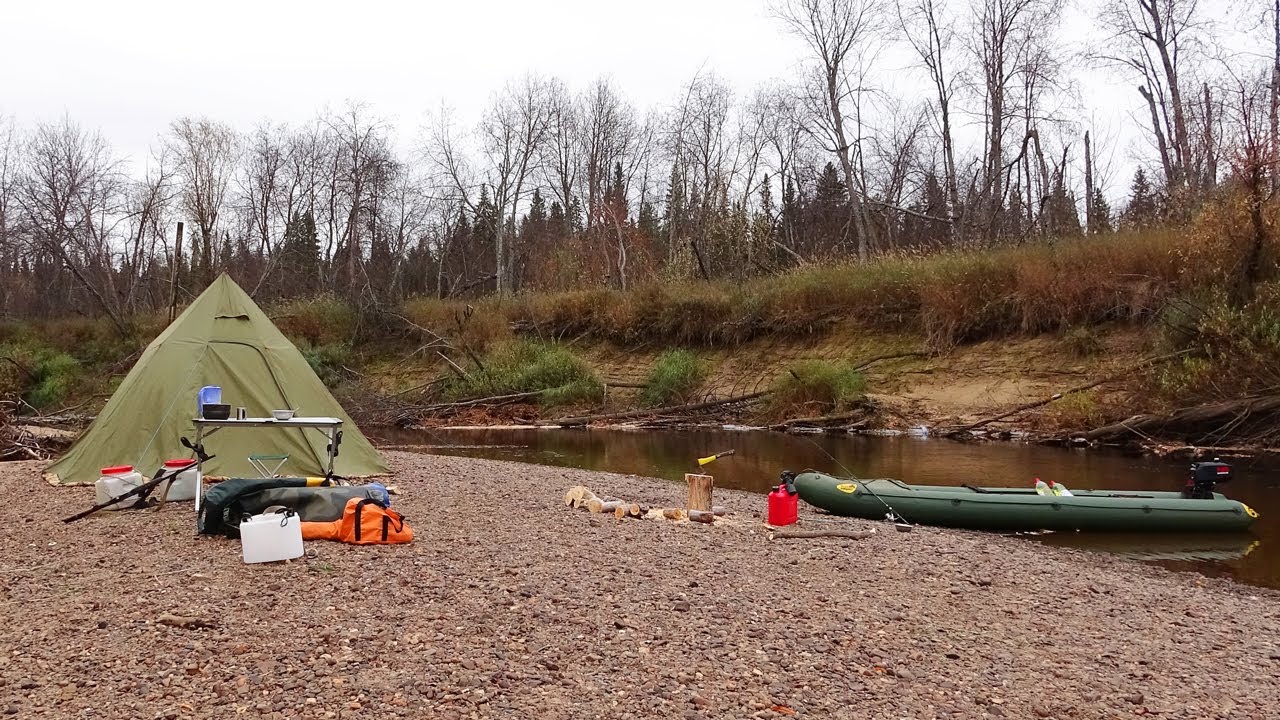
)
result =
(1252, 558)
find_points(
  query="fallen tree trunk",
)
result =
(645, 412)
(1196, 422)
(821, 420)
(55, 421)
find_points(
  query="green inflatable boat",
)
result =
(983, 508)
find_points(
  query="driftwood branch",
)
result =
(57, 421)
(645, 412)
(821, 420)
(894, 356)
(1189, 421)
(456, 368)
(437, 339)
(799, 534)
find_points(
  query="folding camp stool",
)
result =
(262, 463)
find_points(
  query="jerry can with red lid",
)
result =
(116, 481)
(784, 502)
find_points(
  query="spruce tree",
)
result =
(829, 210)
(1100, 216)
(1144, 208)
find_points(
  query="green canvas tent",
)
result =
(222, 339)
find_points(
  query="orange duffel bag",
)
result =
(364, 521)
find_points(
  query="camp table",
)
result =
(331, 427)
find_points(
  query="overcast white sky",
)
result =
(129, 67)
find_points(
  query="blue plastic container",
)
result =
(208, 395)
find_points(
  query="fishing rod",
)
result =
(865, 485)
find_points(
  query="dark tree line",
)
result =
(557, 189)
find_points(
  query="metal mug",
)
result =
(242, 413)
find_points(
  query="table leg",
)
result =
(199, 476)
(333, 439)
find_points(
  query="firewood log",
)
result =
(702, 516)
(577, 496)
(632, 510)
(596, 505)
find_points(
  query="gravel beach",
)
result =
(509, 605)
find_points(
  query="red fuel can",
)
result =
(783, 506)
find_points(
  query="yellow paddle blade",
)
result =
(315, 482)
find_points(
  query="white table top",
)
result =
(304, 422)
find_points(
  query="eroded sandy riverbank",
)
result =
(509, 605)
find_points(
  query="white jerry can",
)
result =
(115, 481)
(270, 537)
(183, 486)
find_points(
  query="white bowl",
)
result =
(282, 414)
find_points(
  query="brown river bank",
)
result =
(510, 605)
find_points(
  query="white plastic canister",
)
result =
(270, 537)
(116, 481)
(184, 485)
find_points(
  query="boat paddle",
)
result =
(900, 522)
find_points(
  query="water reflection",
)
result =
(1251, 558)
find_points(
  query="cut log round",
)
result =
(675, 514)
(577, 496)
(634, 510)
(702, 516)
(596, 505)
(699, 491)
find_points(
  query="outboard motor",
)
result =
(1204, 475)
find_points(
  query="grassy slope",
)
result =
(1002, 327)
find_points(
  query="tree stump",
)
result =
(699, 491)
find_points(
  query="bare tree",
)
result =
(1006, 43)
(206, 152)
(1151, 39)
(511, 136)
(147, 202)
(261, 184)
(930, 31)
(561, 154)
(361, 155)
(9, 171)
(70, 194)
(841, 34)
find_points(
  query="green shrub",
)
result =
(816, 387)
(52, 378)
(675, 375)
(560, 376)
(327, 361)
(1077, 411)
(1232, 351)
